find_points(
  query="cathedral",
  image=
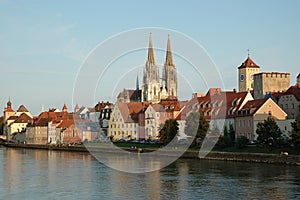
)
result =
(154, 88)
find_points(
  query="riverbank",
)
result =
(224, 156)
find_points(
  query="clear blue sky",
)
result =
(43, 43)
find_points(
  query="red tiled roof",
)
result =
(248, 63)
(99, 106)
(8, 109)
(252, 106)
(23, 118)
(215, 105)
(129, 110)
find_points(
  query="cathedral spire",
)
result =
(150, 50)
(169, 59)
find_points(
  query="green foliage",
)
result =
(169, 131)
(231, 132)
(196, 126)
(225, 131)
(224, 141)
(268, 131)
(242, 142)
(296, 132)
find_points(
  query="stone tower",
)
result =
(8, 112)
(169, 74)
(245, 75)
(151, 82)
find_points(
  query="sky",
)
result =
(44, 44)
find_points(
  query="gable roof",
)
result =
(293, 90)
(215, 104)
(133, 95)
(248, 63)
(12, 118)
(130, 110)
(23, 118)
(22, 109)
(66, 123)
(253, 105)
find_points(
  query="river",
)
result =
(42, 174)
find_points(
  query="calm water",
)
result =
(40, 174)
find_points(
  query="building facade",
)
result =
(290, 101)
(253, 112)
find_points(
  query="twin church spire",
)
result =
(153, 90)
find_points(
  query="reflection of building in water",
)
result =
(148, 184)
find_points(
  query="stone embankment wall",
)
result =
(225, 156)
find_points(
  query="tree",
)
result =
(231, 132)
(196, 126)
(169, 131)
(268, 131)
(296, 132)
(242, 142)
(225, 140)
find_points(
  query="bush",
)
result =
(242, 142)
(224, 141)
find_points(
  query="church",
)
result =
(155, 88)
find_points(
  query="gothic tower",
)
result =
(151, 82)
(169, 75)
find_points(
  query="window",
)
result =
(292, 106)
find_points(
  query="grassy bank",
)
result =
(255, 149)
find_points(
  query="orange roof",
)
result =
(248, 63)
(66, 123)
(129, 110)
(8, 109)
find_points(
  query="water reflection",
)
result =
(41, 174)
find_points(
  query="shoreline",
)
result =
(223, 156)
